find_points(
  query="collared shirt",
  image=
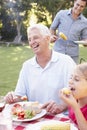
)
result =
(75, 30)
(42, 84)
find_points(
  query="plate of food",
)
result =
(27, 111)
(81, 42)
(52, 125)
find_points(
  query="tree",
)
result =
(16, 15)
(12, 14)
(53, 6)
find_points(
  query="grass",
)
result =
(11, 60)
(83, 53)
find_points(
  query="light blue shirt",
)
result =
(74, 30)
(42, 84)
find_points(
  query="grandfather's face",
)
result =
(79, 6)
(37, 41)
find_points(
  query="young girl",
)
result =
(77, 99)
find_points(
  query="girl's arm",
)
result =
(71, 101)
(82, 122)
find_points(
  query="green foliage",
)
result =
(19, 13)
(12, 15)
(85, 12)
(53, 6)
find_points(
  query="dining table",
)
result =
(29, 124)
(47, 117)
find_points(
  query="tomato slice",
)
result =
(16, 109)
(21, 115)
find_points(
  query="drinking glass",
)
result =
(2, 103)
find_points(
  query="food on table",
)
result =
(36, 107)
(24, 98)
(26, 110)
(56, 126)
(66, 91)
(63, 36)
(17, 108)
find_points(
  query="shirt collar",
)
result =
(70, 13)
(53, 59)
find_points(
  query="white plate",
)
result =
(81, 42)
(37, 116)
(38, 125)
(43, 112)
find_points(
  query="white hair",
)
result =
(44, 30)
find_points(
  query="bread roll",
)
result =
(33, 106)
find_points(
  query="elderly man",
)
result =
(43, 75)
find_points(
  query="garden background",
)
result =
(15, 17)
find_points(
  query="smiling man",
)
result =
(73, 24)
(43, 75)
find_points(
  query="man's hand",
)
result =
(54, 108)
(12, 98)
(53, 38)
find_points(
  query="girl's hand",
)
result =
(68, 99)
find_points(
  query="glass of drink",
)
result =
(2, 103)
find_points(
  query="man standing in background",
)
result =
(74, 25)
